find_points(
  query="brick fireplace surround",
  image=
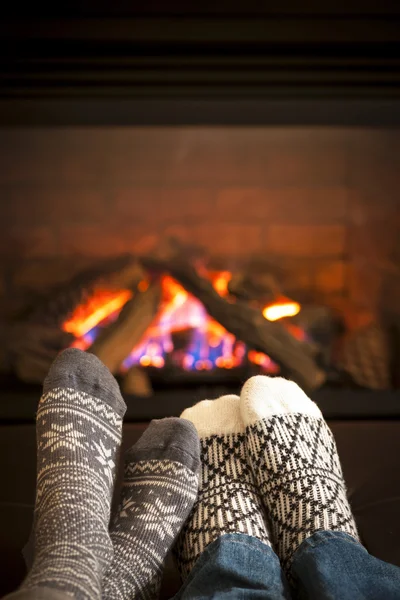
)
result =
(319, 204)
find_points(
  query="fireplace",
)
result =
(193, 235)
(299, 218)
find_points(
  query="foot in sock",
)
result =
(78, 429)
(159, 489)
(228, 500)
(293, 455)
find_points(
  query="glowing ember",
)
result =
(143, 285)
(220, 282)
(258, 358)
(279, 310)
(208, 345)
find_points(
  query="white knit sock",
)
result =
(294, 459)
(228, 500)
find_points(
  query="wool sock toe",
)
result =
(83, 372)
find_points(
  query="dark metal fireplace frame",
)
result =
(173, 62)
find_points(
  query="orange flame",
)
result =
(211, 344)
(261, 359)
(220, 282)
(100, 306)
(175, 295)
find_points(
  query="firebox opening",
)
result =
(208, 345)
(194, 255)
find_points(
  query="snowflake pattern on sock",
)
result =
(78, 436)
(157, 496)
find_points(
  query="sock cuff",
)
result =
(216, 417)
(171, 439)
(84, 372)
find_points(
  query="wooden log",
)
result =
(321, 326)
(30, 348)
(365, 356)
(116, 341)
(182, 337)
(245, 322)
(254, 286)
(314, 316)
(53, 310)
(128, 277)
(137, 383)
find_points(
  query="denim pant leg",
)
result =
(331, 565)
(236, 567)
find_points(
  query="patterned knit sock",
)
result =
(228, 500)
(78, 428)
(293, 456)
(159, 490)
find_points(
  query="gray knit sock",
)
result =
(159, 490)
(78, 428)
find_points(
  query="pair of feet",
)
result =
(267, 453)
(270, 469)
(79, 430)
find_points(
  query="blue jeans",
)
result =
(327, 566)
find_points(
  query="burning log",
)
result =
(245, 322)
(54, 309)
(128, 277)
(321, 326)
(254, 286)
(32, 347)
(116, 342)
(181, 338)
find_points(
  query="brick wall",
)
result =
(321, 204)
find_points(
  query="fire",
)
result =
(207, 344)
(220, 282)
(100, 306)
(258, 358)
(174, 294)
(279, 310)
(210, 345)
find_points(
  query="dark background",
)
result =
(176, 62)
